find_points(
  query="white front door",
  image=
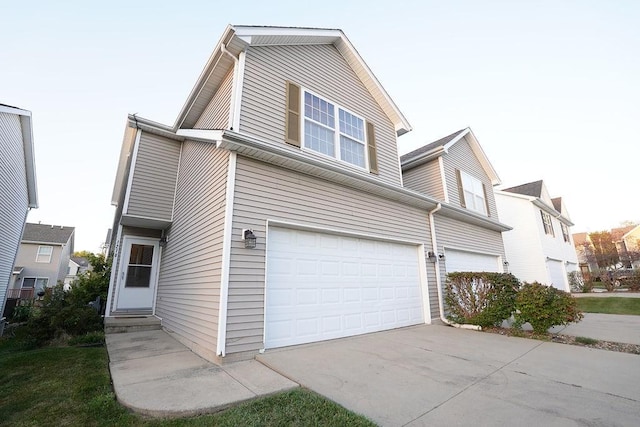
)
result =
(137, 274)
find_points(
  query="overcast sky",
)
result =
(551, 89)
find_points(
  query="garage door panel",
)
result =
(338, 286)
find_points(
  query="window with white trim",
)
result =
(35, 282)
(341, 137)
(546, 223)
(565, 232)
(474, 197)
(44, 254)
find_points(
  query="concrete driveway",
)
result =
(437, 375)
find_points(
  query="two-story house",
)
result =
(43, 259)
(77, 265)
(18, 190)
(272, 212)
(540, 246)
(456, 170)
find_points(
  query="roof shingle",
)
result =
(45, 233)
(533, 189)
(425, 149)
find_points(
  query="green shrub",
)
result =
(90, 338)
(22, 312)
(586, 340)
(545, 306)
(484, 299)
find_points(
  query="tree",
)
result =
(603, 250)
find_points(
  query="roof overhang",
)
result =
(29, 154)
(143, 222)
(237, 38)
(17, 270)
(281, 155)
(443, 149)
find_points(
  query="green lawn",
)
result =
(610, 305)
(71, 386)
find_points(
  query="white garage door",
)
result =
(557, 275)
(471, 261)
(323, 286)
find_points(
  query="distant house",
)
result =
(18, 190)
(540, 247)
(582, 244)
(77, 266)
(455, 170)
(43, 259)
(627, 245)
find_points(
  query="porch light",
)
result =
(431, 256)
(441, 256)
(249, 238)
(163, 241)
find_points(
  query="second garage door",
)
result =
(456, 260)
(322, 286)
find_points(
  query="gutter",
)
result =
(434, 247)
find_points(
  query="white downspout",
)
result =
(234, 88)
(434, 246)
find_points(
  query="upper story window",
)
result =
(565, 232)
(546, 223)
(472, 193)
(44, 254)
(340, 135)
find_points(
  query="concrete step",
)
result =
(122, 324)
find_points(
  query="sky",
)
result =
(551, 89)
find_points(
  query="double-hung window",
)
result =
(44, 254)
(565, 232)
(333, 131)
(473, 194)
(546, 223)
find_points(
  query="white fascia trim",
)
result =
(449, 144)
(245, 32)
(132, 167)
(484, 160)
(239, 86)
(114, 267)
(443, 177)
(226, 255)
(339, 232)
(14, 110)
(201, 135)
(29, 159)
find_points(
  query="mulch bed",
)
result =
(567, 339)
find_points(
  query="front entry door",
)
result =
(137, 275)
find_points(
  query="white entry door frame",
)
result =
(137, 273)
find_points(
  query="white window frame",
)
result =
(476, 191)
(547, 224)
(336, 131)
(42, 281)
(38, 254)
(565, 232)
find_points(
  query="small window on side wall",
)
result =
(565, 232)
(547, 224)
(44, 254)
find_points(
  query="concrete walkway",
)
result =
(153, 374)
(437, 375)
(606, 327)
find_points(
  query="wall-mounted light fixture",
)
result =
(506, 263)
(432, 256)
(163, 241)
(441, 256)
(249, 238)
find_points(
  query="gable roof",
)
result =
(618, 233)
(29, 155)
(557, 203)
(628, 233)
(442, 146)
(533, 189)
(80, 261)
(45, 233)
(580, 238)
(236, 38)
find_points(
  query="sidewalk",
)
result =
(153, 374)
(605, 327)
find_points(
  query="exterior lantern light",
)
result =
(249, 238)
(432, 256)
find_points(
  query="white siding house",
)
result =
(540, 246)
(18, 192)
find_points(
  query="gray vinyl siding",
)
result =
(265, 192)
(190, 271)
(425, 179)
(154, 177)
(454, 234)
(216, 115)
(460, 156)
(51, 270)
(321, 69)
(14, 196)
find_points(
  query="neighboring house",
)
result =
(582, 243)
(77, 266)
(631, 241)
(539, 247)
(43, 259)
(627, 244)
(18, 190)
(272, 212)
(456, 170)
